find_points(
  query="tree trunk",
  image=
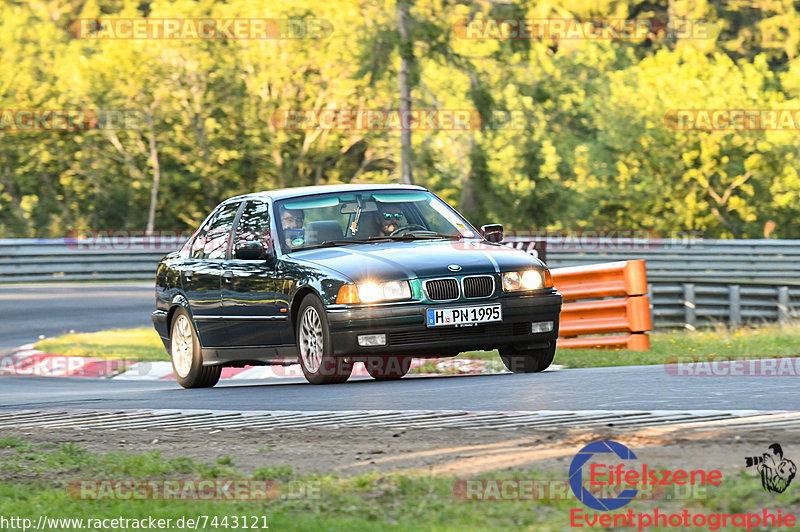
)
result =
(406, 57)
(151, 215)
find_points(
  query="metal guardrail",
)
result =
(756, 261)
(693, 305)
(32, 260)
(692, 282)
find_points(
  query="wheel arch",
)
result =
(298, 298)
(179, 301)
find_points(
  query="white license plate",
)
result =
(464, 315)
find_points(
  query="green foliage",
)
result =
(588, 147)
(403, 500)
(7, 442)
(274, 472)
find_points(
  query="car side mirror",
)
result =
(492, 232)
(253, 250)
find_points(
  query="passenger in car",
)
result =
(390, 217)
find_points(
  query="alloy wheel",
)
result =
(182, 346)
(311, 343)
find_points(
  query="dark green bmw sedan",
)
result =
(329, 276)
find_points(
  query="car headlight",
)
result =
(526, 280)
(370, 292)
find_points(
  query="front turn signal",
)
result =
(548, 279)
(348, 294)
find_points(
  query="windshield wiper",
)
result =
(433, 234)
(426, 235)
(330, 244)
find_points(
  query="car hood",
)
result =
(419, 259)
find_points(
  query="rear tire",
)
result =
(387, 368)
(186, 355)
(314, 346)
(527, 360)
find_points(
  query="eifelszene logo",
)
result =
(607, 472)
(576, 475)
(776, 471)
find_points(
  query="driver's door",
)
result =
(255, 292)
(201, 274)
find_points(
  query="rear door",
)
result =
(254, 292)
(202, 275)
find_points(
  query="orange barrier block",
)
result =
(630, 314)
(623, 278)
(634, 342)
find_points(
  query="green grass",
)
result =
(756, 342)
(273, 472)
(7, 442)
(369, 501)
(119, 344)
(768, 341)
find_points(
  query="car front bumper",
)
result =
(407, 334)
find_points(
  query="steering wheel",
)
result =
(407, 229)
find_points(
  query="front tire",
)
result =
(187, 357)
(387, 368)
(527, 360)
(314, 346)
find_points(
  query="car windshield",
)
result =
(345, 218)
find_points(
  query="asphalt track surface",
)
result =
(630, 388)
(29, 311)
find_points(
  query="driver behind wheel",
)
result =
(292, 222)
(390, 219)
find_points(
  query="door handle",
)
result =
(228, 277)
(187, 274)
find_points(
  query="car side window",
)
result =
(199, 242)
(254, 225)
(214, 240)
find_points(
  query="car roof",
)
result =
(284, 193)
